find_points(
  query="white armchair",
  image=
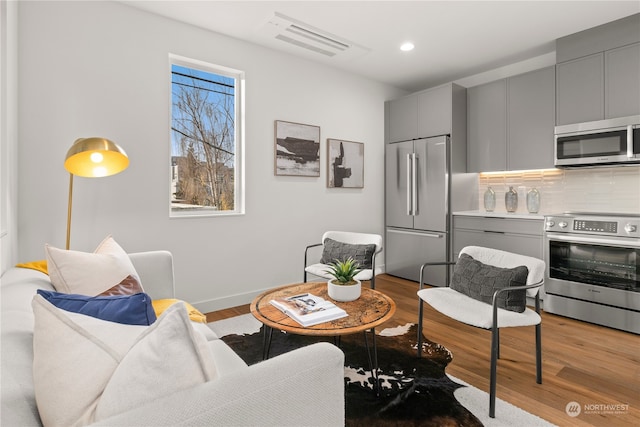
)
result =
(362, 246)
(472, 308)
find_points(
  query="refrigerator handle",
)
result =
(414, 184)
(409, 185)
(630, 147)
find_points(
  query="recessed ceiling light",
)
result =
(406, 46)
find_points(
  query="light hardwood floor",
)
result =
(595, 366)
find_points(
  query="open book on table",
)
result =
(308, 309)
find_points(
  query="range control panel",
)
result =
(621, 226)
(597, 226)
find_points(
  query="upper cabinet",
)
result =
(487, 126)
(423, 114)
(530, 120)
(402, 118)
(622, 81)
(435, 111)
(510, 123)
(580, 91)
(598, 72)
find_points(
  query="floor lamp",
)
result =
(92, 158)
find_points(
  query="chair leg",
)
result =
(494, 361)
(539, 353)
(420, 309)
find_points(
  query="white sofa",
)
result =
(302, 387)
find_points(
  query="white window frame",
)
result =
(239, 143)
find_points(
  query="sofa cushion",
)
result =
(113, 367)
(133, 309)
(334, 250)
(480, 281)
(106, 271)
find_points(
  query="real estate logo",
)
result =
(573, 409)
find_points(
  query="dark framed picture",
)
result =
(297, 149)
(345, 164)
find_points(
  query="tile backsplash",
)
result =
(602, 189)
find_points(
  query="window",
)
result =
(206, 166)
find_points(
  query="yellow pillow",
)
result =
(160, 305)
(40, 265)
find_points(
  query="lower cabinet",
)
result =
(520, 236)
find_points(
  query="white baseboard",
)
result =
(208, 306)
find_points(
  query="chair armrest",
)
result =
(304, 386)
(515, 288)
(494, 300)
(306, 251)
(429, 264)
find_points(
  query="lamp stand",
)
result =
(69, 210)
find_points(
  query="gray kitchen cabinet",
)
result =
(598, 72)
(521, 236)
(402, 118)
(510, 123)
(486, 127)
(531, 119)
(622, 81)
(580, 90)
(427, 113)
(601, 86)
(434, 111)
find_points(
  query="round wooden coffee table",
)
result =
(370, 310)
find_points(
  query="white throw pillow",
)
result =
(79, 361)
(106, 271)
(166, 358)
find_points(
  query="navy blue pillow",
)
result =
(133, 309)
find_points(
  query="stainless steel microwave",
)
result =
(599, 143)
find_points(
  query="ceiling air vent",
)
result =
(305, 36)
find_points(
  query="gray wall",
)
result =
(101, 69)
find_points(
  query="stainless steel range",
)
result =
(593, 268)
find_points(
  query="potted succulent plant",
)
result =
(343, 286)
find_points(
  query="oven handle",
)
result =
(596, 240)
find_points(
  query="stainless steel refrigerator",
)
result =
(419, 184)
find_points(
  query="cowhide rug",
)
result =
(414, 391)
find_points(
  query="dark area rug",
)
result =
(414, 392)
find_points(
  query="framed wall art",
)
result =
(297, 148)
(345, 164)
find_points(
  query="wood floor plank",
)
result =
(585, 363)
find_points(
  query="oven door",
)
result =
(601, 270)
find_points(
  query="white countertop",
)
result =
(516, 215)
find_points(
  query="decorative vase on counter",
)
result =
(489, 200)
(511, 200)
(533, 200)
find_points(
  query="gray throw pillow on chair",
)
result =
(479, 281)
(334, 250)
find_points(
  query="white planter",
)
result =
(344, 293)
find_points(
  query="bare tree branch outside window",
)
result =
(203, 141)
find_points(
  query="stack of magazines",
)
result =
(308, 309)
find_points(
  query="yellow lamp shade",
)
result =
(95, 157)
